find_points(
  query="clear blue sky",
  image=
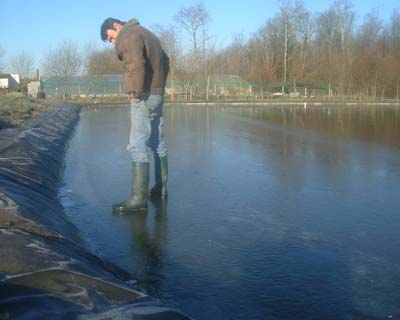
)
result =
(35, 26)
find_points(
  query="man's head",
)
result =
(110, 29)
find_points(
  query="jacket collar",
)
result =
(125, 27)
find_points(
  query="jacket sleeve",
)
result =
(134, 66)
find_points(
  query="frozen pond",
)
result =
(273, 213)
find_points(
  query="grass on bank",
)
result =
(15, 109)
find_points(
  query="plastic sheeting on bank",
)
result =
(45, 271)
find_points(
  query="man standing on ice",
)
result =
(146, 69)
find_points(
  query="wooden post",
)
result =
(208, 86)
(172, 89)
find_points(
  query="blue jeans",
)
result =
(147, 128)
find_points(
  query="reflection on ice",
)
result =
(276, 211)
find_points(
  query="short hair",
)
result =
(108, 24)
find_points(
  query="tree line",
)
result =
(293, 47)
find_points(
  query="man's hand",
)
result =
(132, 98)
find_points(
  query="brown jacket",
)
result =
(145, 62)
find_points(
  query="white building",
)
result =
(33, 88)
(9, 81)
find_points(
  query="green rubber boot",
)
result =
(160, 177)
(140, 185)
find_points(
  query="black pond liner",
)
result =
(45, 270)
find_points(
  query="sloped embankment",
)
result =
(45, 271)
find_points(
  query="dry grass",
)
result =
(15, 109)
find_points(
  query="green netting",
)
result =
(113, 84)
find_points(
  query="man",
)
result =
(146, 69)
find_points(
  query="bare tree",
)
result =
(370, 33)
(171, 45)
(303, 33)
(89, 50)
(326, 43)
(281, 32)
(334, 42)
(99, 62)
(367, 57)
(2, 65)
(394, 30)
(346, 16)
(235, 56)
(287, 26)
(63, 62)
(327, 49)
(263, 64)
(194, 20)
(23, 64)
